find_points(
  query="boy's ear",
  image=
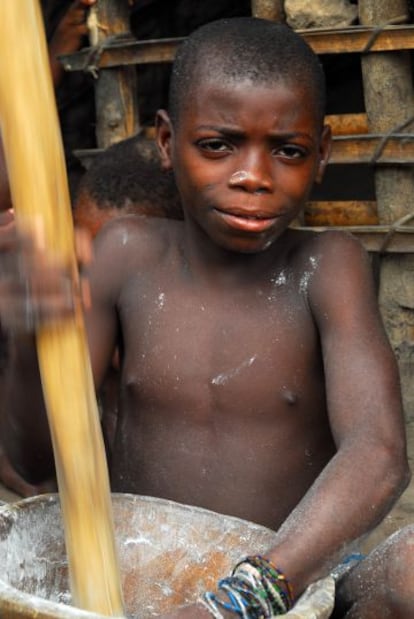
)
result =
(324, 152)
(164, 132)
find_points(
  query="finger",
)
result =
(16, 315)
(13, 243)
(83, 246)
(78, 25)
(12, 480)
(76, 14)
(86, 295)
(25, 315)
(6, 218)
(8, 236)
(28, 302)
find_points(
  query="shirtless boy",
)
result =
(257, 379)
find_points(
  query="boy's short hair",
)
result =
(128, 174)
(259, 50)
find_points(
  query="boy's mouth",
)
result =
(257, 222)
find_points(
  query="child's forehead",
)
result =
(226, 85)
(230, 93)
(274, 106)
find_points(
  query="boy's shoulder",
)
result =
(327, 246)
(129, 246)
(336, 268)
(332, 245)
(137, 237)
(328, 260)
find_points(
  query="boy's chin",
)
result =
(248, 246)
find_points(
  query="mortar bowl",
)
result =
(169, 554)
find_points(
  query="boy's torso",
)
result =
(222, 396)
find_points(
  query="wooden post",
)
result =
(269, 9)
(389, 102)
(115, 89)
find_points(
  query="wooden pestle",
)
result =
(36, 167)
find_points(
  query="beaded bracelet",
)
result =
(256, 589)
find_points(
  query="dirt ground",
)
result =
(401, 514)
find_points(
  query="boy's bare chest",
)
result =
(214, 345)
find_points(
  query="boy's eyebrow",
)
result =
(220, 129)
(279, 135)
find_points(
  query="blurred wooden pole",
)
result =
(36, 168)
(389, 102)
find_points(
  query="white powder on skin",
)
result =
(308, 274)
(280, 280)
(223, 378)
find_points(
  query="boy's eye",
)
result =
(214, 145)
(290, 151)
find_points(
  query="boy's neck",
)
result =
(208, 261)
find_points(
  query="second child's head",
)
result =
(244, 130)
(125, 179)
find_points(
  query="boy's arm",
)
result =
(104, 277)
(25, 431)
(369, 470)
(21, 390)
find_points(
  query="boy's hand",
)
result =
(14, 482)
(71, 28)
(68, 35)
(34, 287)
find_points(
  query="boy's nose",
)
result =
(252, 177)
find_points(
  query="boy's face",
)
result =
(245, 157)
